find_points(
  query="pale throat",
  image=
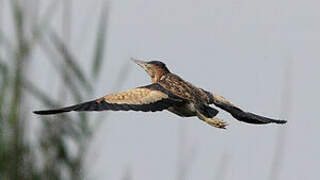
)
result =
(156, 76)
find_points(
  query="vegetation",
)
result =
(59, 149)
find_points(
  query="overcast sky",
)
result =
(240, 49)
(262, 55)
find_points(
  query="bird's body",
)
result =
(168, 92)
(186, 91)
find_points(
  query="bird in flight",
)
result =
(168, 92)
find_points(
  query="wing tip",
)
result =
(42, 112)
(36, 112)
(280, 121)
(45, 112)
(54, 111)
(256, 119)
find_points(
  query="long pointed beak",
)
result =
(140, 63)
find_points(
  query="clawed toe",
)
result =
(216, 122)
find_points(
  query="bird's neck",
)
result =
(159, 75)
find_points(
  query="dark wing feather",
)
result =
(148, 98)
(241, 115)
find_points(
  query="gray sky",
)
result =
(239, 49)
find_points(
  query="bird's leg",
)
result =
(213, 121)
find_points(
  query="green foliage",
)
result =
(4, 85)
(70, 63)
(50, 155)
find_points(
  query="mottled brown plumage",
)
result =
(168, 92)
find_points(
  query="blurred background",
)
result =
(262, 55)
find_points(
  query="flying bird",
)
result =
(168, 92)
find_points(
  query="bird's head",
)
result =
(155, 69)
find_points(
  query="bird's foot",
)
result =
(216, 122)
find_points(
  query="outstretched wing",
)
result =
(148, 98)
(239, 114)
